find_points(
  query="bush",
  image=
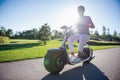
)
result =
(4, 40)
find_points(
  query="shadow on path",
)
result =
(86, 72)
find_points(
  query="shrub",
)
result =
(4, 40)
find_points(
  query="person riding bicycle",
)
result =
(83, 35)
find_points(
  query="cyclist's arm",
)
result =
(90, 23)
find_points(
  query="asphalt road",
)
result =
(105, 66)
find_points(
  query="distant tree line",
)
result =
(106, 35)
(45, 33)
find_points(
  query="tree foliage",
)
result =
(4, 32)
(104, 33)
(56, 34)
(45, 32)
(115, 33)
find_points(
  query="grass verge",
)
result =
(32, 49)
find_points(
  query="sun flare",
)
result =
(68, 16)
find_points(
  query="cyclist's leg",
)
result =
(83, 38)
(72, 39)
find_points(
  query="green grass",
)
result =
(27, 49)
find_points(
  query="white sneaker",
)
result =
(76, 60)
(71, 57)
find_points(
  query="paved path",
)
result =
(105, 66)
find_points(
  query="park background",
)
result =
(28, 28)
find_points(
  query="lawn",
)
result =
(27, 49)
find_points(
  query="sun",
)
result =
(67, 16)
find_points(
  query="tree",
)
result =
(45, 33)
(108, 31)
(60, 34)
(27, 34)
(114, 36)
(2, 31)
(115, 33)
(9, 33)
(104, 32)
(35, 33)
(96, 35)
(108, 36)
(55, 33)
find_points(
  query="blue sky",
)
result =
(22, 15)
